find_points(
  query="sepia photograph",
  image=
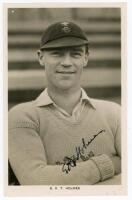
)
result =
(65, 98)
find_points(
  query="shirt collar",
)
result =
(44, 99)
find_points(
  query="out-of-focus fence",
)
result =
(102, 76)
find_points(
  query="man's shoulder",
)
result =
(23, 107)
(105, 105)
(24, 115)
(23, 112)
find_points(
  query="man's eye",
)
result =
(76, 54)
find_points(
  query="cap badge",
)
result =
(66, 28)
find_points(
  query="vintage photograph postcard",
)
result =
(65, 99)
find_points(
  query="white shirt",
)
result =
(45, 100)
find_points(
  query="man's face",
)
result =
(63, 66)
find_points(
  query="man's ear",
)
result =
(40, 57)
(86, 59)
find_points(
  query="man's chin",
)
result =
(67, 87)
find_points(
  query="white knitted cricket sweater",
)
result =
(47, 149)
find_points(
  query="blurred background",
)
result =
(102, 76)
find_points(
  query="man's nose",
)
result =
(66, 60)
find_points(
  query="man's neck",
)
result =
(65, 99)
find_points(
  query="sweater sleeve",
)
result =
(113, 116)
(118, 131)
(28, 159)
(117, 159)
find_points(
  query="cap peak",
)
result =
(61, 30)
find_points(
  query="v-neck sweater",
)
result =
(40, 140)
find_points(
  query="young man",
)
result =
(64, 137)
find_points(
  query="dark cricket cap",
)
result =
(63, 34)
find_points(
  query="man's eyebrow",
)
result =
(54, 49)
(77, 49)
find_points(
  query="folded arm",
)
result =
(27, 157)
(28, 160)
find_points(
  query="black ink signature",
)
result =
(69, 162)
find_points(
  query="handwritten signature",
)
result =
(69, 162)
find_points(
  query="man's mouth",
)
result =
(65, 72)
